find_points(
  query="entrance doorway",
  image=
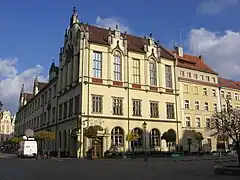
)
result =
(97, 145)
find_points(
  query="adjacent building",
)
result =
(117, 81)
(6, 126)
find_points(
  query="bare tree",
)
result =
(227, 124)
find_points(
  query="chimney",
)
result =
(179, 50)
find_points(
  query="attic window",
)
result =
(189, 75)
(182, 73)
(196, 76)
(213, 79)
(207, 77)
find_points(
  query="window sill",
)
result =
(137, 115)
(118, 114)
(96, 113)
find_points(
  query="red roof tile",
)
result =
(136, 44)
(228, 83)
(193, 62)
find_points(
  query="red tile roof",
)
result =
(193, 62)
(136, 44)
(228, 83)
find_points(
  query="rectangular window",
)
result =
(170, 111)
(117, 106)
(45, 97)
(198, 122)
(153, 73)
(49, 116)
(205, 92)
(202, 77)
(207, 78)
(189, 75)
(137, 107)
(182, 73)
(77, 103)
(207, 122)
(154, 112)
(117, 67)
(223, 107)
(50, 94)
(65, 108)
(37, 122)
(60, 111)
(97, 64)
(136, 71)
(44, 118)
(214, 92)
(42, 100)
(70, 108)
(222, 94)
(206, 106)
(185, 88)
(53, 114)
(188, 122)
(97, 104)
(215, 107)
(197, 105)
(213, 79)
(186, 104)
(229, 96)
(195, 90)
(236, 96)
(196, 76)
(54, 90)
(168, 74)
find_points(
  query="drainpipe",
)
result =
(129, 143)
(56, 124)
(176, 99)
(79, 115)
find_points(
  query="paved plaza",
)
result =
(13, 168)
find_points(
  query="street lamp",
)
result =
(145, 141)
(1, 105)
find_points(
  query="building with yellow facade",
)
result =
(117, 81)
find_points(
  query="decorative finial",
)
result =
(74, 10)
(116, 27)
(150, 35)
(125, 35)
(158, 42)
(53, 60)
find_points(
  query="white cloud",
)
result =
(221, 51)
(11, 81)
(213, 7)
(112, 22)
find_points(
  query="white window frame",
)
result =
(97, 64)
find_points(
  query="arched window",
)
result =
(117, 66)
(117, 136)
(153, 72)
(137, 142)
(154, 138)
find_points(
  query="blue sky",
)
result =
(32, 32)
